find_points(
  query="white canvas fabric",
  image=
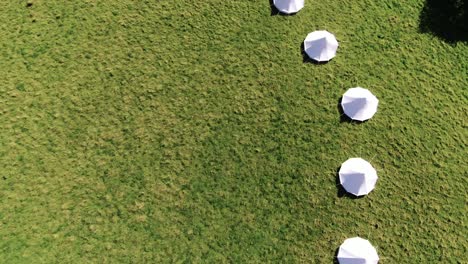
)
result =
(357, 250)
(320, 45)
(289, 6)
(359, 104)
(357, 176)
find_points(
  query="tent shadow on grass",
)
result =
(335, 256)
(307, 59)
(343, 117)
(275, 12)
(341, 192)
(445, 19)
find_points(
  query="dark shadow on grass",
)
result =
(335, 256)
(307, 59)
(275, 12)
(341, 192)
(445, 19)
(343, 117)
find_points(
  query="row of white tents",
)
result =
(357, 103)
(356, 175)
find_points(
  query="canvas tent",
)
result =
(357, 250)
(288, 6)
(320, 45)
(357, 176)
(359, 104)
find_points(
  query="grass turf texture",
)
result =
(182, 131)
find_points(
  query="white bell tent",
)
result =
(357, 176)
(288, 6)
(357, 250)
(359, 104)
(320, 45)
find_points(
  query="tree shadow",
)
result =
(341, 192)
(343, 117)
(275, 12)
(307, 59)
(445, 19)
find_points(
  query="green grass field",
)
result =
(192, 131)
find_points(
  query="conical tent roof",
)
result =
(359, 104)
(357, 250)
(320, 45)
(357, 176)
(289, 6)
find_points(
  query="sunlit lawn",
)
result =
(192, 131)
